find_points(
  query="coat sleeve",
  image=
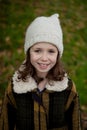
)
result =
(76, 116)
(7, 118)
(73, 110)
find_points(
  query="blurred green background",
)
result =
(16, 15)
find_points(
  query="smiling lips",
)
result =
(43, 66)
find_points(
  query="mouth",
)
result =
(43, 65)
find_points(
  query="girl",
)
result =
(41, 96)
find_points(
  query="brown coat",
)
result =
(9, 98)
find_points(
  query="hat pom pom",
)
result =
(55, 15)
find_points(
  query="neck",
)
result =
(42, 75)
(42, 84)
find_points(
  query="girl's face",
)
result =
(43, 57)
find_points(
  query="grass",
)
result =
(17, 15)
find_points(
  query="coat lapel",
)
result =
(30, 84)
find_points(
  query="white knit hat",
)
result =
(45, 29)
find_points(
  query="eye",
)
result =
(51, 51)
(37, 50)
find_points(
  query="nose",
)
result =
(44, 57)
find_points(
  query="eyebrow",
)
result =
(42, 48)
(37, 48)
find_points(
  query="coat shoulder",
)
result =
(71, 85)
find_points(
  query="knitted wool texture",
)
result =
(44, 29)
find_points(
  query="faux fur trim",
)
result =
(30, 85)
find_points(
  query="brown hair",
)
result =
(56, 73)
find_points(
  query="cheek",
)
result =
(54, 58)
(33, 57)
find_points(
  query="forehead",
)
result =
(44, 45)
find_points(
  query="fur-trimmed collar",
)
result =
(30, 85)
